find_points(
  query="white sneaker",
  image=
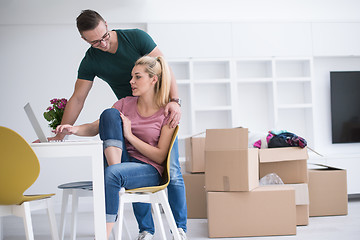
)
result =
(145, 235)
(182, 234)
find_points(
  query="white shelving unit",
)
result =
(261, 94)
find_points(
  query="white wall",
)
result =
(40, 48)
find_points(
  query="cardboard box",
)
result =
(302, 215)
(328, 191)
(302, 203)
(195, 154)
(231, 170)
(229, 164)
(289, 163)
(195, 195)
(265, 211)
(226, 139)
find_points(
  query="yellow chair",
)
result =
(155, 195)
(19, 168)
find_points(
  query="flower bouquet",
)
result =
(55, 112)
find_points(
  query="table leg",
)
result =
(99, 193)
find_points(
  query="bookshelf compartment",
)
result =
(293, 69)
(212, 95)
(255, 69)
(255, 106)
(185, 121)
(298, 121)
(294, 93)
(204, 70)
(212, 119)
(181, 70)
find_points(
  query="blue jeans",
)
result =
(110, 128)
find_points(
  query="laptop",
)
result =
(35, 124)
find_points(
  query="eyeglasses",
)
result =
(97, 43)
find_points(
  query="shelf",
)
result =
(294, 106)
(215, 80)
(181, 69)
(185, 122)
(294, 93)
(212, 119)
(182, 82)
(255, 105)
(211, 95)
(294, 79)
(253, 69)
(211, 70)
(212, 108)
(292, 68)
(259, 94)
(254, 80)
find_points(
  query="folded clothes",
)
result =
(281, 138)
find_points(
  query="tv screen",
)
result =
(345, 106)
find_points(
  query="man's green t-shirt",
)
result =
(115, 69)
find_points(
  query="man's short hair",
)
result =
(88, 20)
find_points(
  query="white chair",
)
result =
(76, 190)
(154, 195)
(19, 169)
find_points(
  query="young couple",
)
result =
(138, 129)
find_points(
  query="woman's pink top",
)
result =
(147, 129)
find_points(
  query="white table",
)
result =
(89, 149)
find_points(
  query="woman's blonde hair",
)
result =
(159, 67)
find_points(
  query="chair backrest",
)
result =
(166, 174)
(19, 167)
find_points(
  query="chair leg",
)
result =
(52, 220)
(159, 220)
(120, 219)
(74, 215)
(116, 229)
(1, 228)
(126, 229)
(26, 214)
(64, 205)
(168, 213)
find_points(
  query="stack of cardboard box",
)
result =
(290, 164)
(194, 177)
(237, 205)
(222, 184)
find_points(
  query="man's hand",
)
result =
(58, 138)
(174, 110)
(66, 129)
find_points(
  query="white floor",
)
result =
(319, 228)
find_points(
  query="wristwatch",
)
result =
(177, 100)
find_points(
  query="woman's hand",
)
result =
(66, 129)
(126, 126)
(174, 110)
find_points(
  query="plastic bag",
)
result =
(270, 179)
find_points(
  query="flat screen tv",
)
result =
(345, 106)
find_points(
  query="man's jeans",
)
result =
(110, 127)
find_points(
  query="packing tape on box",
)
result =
(226, 182)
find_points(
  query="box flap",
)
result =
(301, 193)
(226, 139)
(318, 166)
(282, 154)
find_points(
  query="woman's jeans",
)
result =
(117, 176)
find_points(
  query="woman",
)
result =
(136, 138)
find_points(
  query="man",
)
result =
(111, 57)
